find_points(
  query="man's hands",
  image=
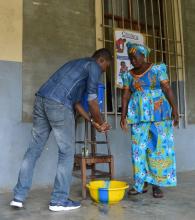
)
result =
(101, 128)
(104, 127)
(97, 121)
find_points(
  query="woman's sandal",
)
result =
(133, 192)
(157, 192)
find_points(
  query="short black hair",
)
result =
(104, 53)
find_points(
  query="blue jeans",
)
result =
(49, 115)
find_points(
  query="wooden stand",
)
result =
(88, 161)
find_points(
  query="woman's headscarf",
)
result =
(137, 48)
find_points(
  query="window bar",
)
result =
(138, 18)
(160, 24)
(153, 30)
(112, 80)
(112, 13)
(107, 26)
(109, 41)
(103, 24)
(122, 13)
(118, 91)
(104, 75)
(167, 36)
(130, 14)
(113, 69)
(163, 38)
(115, 89)
(183, 62)
(146, 22)
(176, 58)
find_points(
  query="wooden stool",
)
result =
(84, 162)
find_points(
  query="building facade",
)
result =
(38, 36)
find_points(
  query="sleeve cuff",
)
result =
(92, 97)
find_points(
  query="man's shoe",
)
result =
(16, 203)
(65, 206)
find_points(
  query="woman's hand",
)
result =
(175, 116)
(125, 100)
(169, 95)
(123, 124)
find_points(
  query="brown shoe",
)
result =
(157, 192)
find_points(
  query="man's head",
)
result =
(103, 57)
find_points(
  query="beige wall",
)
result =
(54, 31)
(188, 9)
(98, 21)
(11, 30)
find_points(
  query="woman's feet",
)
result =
(157, 192)
(133, 192)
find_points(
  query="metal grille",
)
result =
(160, 22)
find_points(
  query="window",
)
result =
(160, 22)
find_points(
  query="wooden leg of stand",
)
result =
(93, 171)
(93, 150)
(84, 177)
(111, 168)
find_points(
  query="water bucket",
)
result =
(101, 89)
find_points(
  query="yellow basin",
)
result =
(107, 191)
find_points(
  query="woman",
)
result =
(148, 106)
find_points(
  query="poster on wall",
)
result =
(122, 63)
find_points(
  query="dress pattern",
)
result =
(149, 116)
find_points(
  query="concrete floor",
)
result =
(178, 204)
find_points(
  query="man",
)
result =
(54, 110)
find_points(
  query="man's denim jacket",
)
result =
(68, 84)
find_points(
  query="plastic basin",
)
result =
(108, 192)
